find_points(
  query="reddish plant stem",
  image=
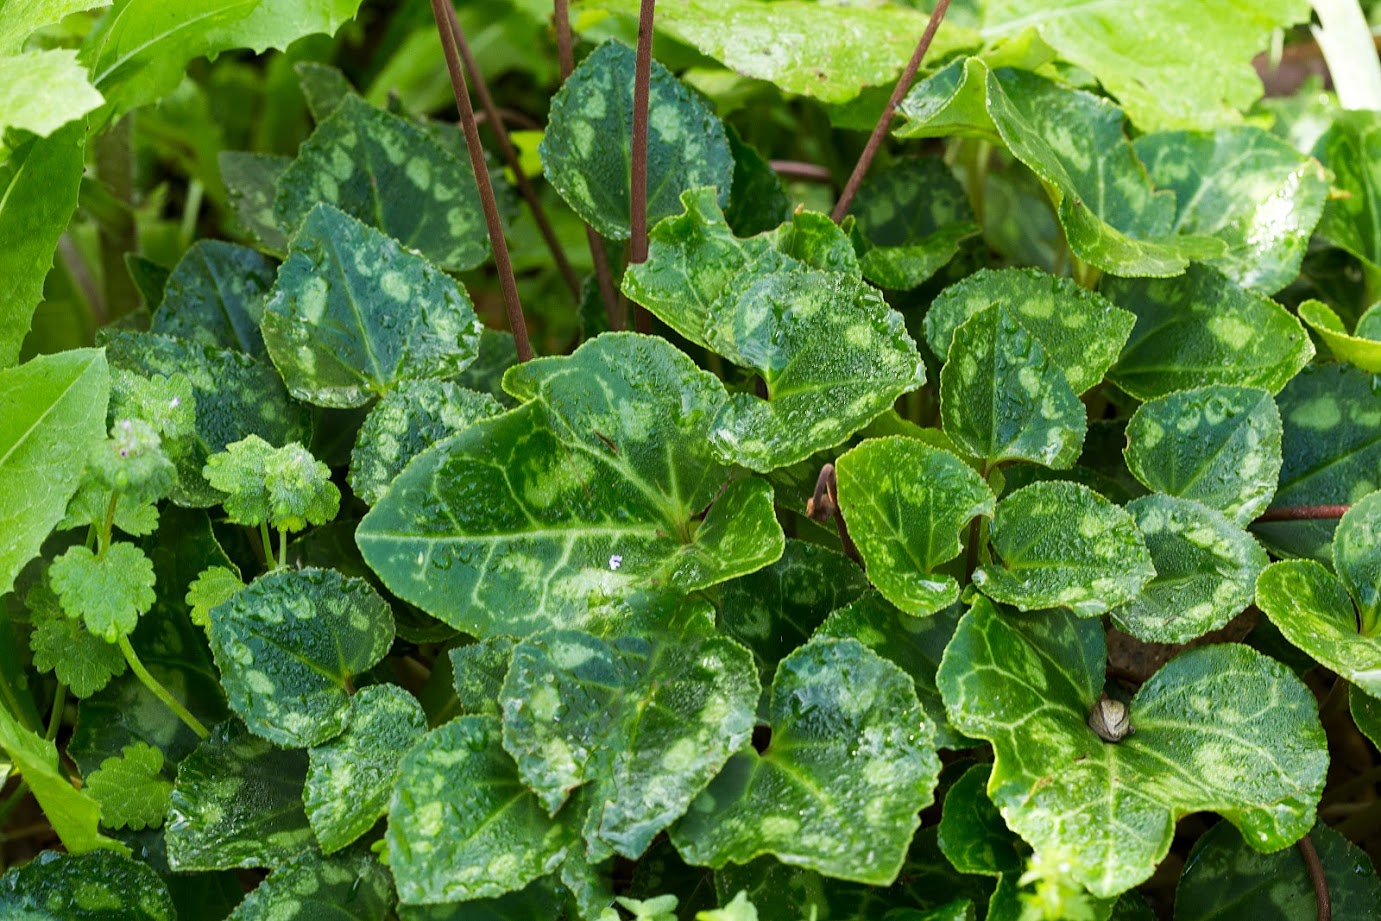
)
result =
(1303, 513)
(642, 84)
(846, 198)
(496, 124)
(445, 15)
(804, 172)
(1320, 882)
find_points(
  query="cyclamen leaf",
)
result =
(1002, 397)
(215, 296)
(1354, 349)
(1059, 544)
(907, 505)
(288, 645)
(52, 413)
(1079, 330)
(586, 147)
(757, 200)
(478, 671)
(42, 90)
(350, 778)
(353, 313)
(131, 789)
(251, 182)
(1027, 684)
(914, 215)
(100, 886)
(390, 174)
(973, 834)
(238, 803)
(462, 826)
(313, 887)
(1357, 555)
(1219, 445)
(1313, 611)
(323, 86)
(1366, 713)
(851, 762)
(108, 591)
(1351, 149)
(589, 490)
(1201, 328)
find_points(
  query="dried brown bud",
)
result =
(1110, 719)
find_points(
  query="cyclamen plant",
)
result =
(1005, 544)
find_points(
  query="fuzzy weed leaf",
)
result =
(215, 296)
(312, 887)
(99, 886)
(131, 789)
(62, 645)
(107, 591)
(213, 586)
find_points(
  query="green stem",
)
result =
(1085, 275)
(55, 718)
(108, 525)
(159, 691)
(267, 541)
(282, 548)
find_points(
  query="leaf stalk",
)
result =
(158, 690)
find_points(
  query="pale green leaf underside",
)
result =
(100, 886)
(1313, 611)
(42, 90)
(314, 887)
(1354, 349)
(1357, 555)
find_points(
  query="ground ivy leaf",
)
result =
(215, 296)
(389, 173)
(913, 216)
(1218, 444)
(1223, 879)
(1059, 544)
(1255, 192)
(461, 824)
(108, 591)
(973, 835)
(1080, 330)
(1108, 810)
(591, 489)
(585, 149)
(1206, 568)
(350, 778)
(1201, 328)
(131, 789)
(1354, 349)
(353, 313)
(1351, 149)
(907, 505)
(478, 671)
(1002, 398)
(313, 887)
(1357, 555)
(1313, 611)
(251, 181)
(100, 886)
(411, 417)
(211, 587)
(287, 646)
(851, 762)
(646, 723)
(238, 803)
(60, 644)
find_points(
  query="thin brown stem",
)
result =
(525, 189)
(1316, 877)
(565, 46)
(802, 172)
(637, 196)
(447, 25)
(870, 151)
(1303, 513)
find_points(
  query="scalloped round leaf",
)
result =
(590, 490)
(353, 313)
(1202, 328)
(1219, 445)
(1206, 568)
(973, 835)
(62, 645)
(98, 886)
(313, 887)
(1357, 555)
(410, 418)
(390, 173)
(1059, 544)
(1080, 330)
(238, 803)
(587, 146)
(913, 215)
(350, 778)
(1312, 610)
(287, 646)
(131, 788)
(1002, 398)
(107, 591)
(1353, 349)
(1243, 185)
(646, 723)
(1351, 149)
(461, 824)
(907, 505)
(851, 762)
(1219, 728)
(215, 296)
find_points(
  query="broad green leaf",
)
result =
(1201, 328)
(1074, 142)
(131, 789)
(1351, 149)
(52, 414)
(1253, 191)
(1313, 610)
(1206, 568)
(644, 723)
(913, 215)
(289, 643)
(478, 671)
(108, 591)
(352, 314)
(248, 396)
(38, 194)
(1003, 398)
(215, 296)
(1366, 713)
(391, 174)
(1207, 731)
(591, 489)
(1354, 349)
(411, 417)
(19, 20)
(851, 762)
(62, 645)
(586, 147)
(279, 23)
(251, 182)
(907, 505)
(1218, 444)
(757, 199)
(1079, 330)
(350, 778)
(1224, 879)
(973, 834)
(1059, 544)
(323, 86)
(462, 826)
(1357, 556)
(1171, 63)
(314, 887)
(238, 803)
(100, 886)
(42, 90)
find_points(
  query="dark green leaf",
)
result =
(973, 835)
(323, 86)
(251, 182)
(478, 671)
(1351, 149)
(1357, 556)
(100, 886)
(316, 888)
(914, 216)
(215, 296)
(757, 199)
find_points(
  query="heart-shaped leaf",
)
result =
(1206, 735)
(1313, 610)
(1357, 556)
(478, 671)
(100, 886)
(913, 217)
(313, 886)
(251, 182)
(215, 296)
(973, 835)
